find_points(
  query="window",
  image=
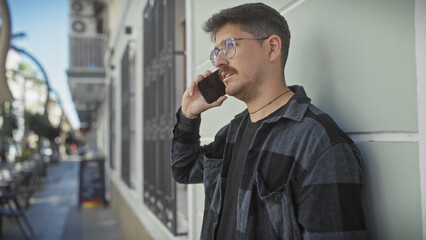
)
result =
(112, 112)
(162, 84)
(128, 115)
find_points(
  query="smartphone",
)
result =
(212, 87)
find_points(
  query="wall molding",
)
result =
(362, 137)
(385, 136)
(202, 66)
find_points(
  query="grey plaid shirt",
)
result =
(302, 177)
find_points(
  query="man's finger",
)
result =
(219, 101)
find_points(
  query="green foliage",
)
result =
(29, 73)
(25, 155)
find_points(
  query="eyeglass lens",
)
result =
(227, 47)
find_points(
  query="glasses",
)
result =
(228, 48)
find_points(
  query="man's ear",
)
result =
(274, 48)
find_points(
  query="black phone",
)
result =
(212, 87)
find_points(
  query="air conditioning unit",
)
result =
(81, 8)
(82, 25)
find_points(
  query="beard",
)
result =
(245, 86)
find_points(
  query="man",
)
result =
(281, 169)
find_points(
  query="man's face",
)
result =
(243, 73)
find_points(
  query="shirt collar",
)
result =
(298, 104)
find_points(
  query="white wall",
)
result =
(357, 61)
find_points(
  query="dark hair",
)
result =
(257, 19)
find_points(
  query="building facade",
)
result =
(86, 72)
(361, 62)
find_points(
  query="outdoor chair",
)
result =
(9, 204)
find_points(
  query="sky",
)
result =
(46, 24)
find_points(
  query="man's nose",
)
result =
(221, 60)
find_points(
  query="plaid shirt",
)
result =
(302, 177)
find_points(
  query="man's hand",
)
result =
(193, 103)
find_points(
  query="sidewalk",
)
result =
(54, 213)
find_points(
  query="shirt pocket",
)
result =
(275, 169)
(280, 208)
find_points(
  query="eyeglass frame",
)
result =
(213, 56)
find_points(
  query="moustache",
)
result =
(227, 69)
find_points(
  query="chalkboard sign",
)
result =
(92, 182)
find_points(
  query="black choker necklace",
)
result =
(282, 94)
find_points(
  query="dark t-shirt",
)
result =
(228, 219)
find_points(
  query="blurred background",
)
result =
(89, 91)
(38, 111)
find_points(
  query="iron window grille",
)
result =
(159, 106)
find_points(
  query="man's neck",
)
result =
(268, 102)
